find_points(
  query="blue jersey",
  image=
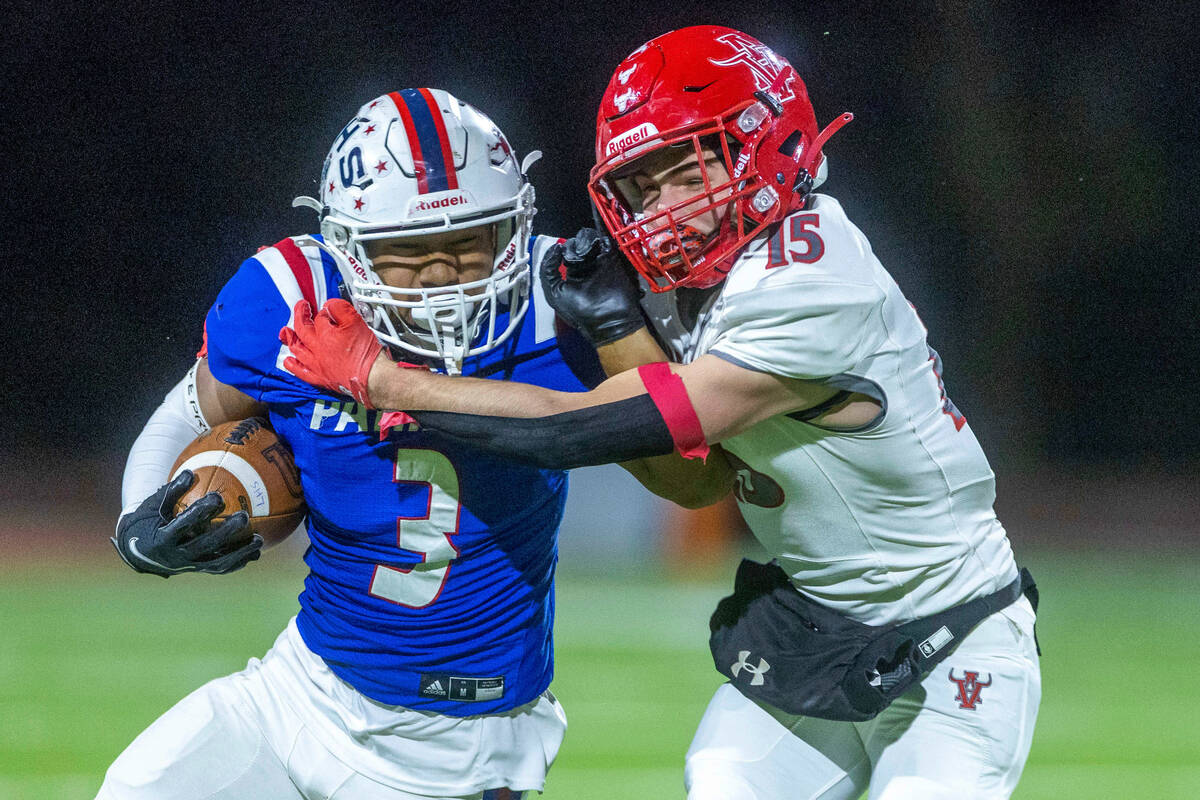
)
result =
(431, 566)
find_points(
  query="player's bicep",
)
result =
(220, 402)
(729, 399)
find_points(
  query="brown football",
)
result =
(252, 470)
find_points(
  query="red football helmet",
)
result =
(696, 87)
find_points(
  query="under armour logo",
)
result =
(969, 688)
(757, 672)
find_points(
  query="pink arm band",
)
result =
(671, 399)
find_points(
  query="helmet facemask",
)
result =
(675, 90)
(446, 323)
(665, 247)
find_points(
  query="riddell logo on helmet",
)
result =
(440, 203)
(510, 253)
(630, 138)
(740, 166)
(362, 273)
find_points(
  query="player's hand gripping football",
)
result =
(589, 285)
(334, 350)
(150, 539)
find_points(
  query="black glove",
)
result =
(589, 284)
(150, 540)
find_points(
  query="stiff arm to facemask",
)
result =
(643, 426)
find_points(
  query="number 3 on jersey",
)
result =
(427, 535)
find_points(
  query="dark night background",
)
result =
(1026, 170)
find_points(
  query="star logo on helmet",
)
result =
(381, 168)
(370, 128)
(358, 204)
(373, 104)
(331, 187)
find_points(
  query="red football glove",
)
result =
(334, 351)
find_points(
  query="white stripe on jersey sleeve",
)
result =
(281, 274)
(543, 314)
(312, 254)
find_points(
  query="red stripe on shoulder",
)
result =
(203, 352)
(298, 263)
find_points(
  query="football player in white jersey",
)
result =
(776, 334)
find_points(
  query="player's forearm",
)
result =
(616, 422)
(630, 352)
(394, 388)
(219, 402)
(191, 408)
(174, 424)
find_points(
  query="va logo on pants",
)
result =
(969, 688)
(757, 672)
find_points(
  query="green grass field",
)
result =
(90, 657)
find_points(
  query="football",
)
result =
(252, 470)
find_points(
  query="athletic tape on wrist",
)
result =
(671, 399)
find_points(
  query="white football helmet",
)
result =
(416, 162)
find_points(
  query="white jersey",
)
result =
(889, 522)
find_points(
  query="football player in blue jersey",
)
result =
(419, 663)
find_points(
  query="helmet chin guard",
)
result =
(420, 162)
(698, 88)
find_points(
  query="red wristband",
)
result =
(671, 399)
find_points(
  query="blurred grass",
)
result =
(89, 657)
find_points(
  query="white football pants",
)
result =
(963, 733)
(287, 728)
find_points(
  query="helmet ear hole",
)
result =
(791, 144)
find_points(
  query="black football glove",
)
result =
(150, 540)
(589, 284)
